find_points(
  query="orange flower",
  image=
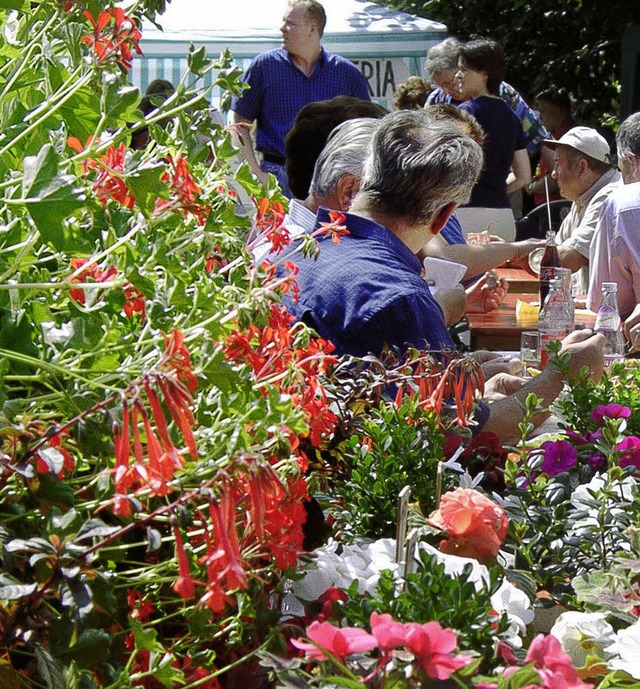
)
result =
(474, 524)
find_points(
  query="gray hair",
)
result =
(442, 57)
(418, 165)
(345, 152)
(628, 136)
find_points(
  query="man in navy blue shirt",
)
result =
(366, 291)
(282, 81)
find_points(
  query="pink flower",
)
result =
(553, 665)
(474, 524)
(339, 642)
(609, 411)
(432, 647)
(630, 452)
(388, 633)
(559, 455)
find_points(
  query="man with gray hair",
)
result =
(614, 254)
(366, 291)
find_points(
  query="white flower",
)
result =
(627, 649)
(582, 634)
(586, 496)
(454, 565)
(517, 605)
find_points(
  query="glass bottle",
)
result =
(609, 323)
(555, 321)
(550, 261)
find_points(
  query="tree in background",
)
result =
(548, 44)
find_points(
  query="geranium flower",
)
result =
(114, 35)
(474, 524)
(626, 649)
(559, 455)
(433, 647)
(334, 229)
(582, 634)
(339, 642)
(609, 411)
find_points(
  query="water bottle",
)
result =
(555, 321)
(550, 261)
(609, 323)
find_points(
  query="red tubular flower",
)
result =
(176, 356)
(183, 192)
(114, 36)
(91, 272)
(224, 529)
(184, 585)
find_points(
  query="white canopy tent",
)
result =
(387, 45)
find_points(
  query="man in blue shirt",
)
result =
(282, 81)
(365, 291)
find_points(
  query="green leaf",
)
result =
(50, 670)
(146, 186)
(92, 648)
(146, 639)
(197, 60)
(14, 4)
(54, 492)
(118, 103)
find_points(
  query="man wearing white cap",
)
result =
(615, 252)
(582, 166)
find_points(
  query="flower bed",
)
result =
(165, 425)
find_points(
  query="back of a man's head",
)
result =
(345, 154)
(310, 130)
(418, 165)
(628, 136)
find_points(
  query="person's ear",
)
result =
(634, 162)
(348, 187)
(443, 216)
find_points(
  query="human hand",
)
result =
(586, 348)
(632, 329)
(502, 385)
(486, 294)
(501, 365)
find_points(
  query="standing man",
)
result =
(615, 251)
(283, 80)
(582, 166)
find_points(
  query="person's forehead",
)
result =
(295, 15)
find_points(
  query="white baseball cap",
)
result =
(586, 140)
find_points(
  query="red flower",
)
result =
(335, 228)
(474, 524)
(135, 302)
(433, 647)
(268, 225)
(90, 272)
(114, 36)
(184, 586)
(184, 192)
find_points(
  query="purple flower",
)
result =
(597, 462)
(609, 411)
(632, 455)
(559, 455)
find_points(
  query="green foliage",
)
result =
(542, 47)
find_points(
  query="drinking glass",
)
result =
(529, 351)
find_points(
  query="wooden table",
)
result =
(521, 280)
(499, 330)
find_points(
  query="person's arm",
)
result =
(240, 129)
(453, 303)
(570, 258)
(520, 171)
(585, 347)
(632, 328)
(477, 258)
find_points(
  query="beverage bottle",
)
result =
(555, 321)
(550, 261)
(609, 323)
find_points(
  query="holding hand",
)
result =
(486, 294)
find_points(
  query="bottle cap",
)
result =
(609, 286)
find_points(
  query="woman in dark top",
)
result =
(506, 166)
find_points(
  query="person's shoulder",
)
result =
(269, 57)
(624, 197)
(336, 60)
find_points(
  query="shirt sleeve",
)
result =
(249, 102)
(599, 256)
(582, 236)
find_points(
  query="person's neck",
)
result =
(411, 233)
(307, 60)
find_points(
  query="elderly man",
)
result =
(582, 166)
(284, 80)
(615, 252)
(366, 292)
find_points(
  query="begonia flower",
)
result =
(339, 642)
(475, 525)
